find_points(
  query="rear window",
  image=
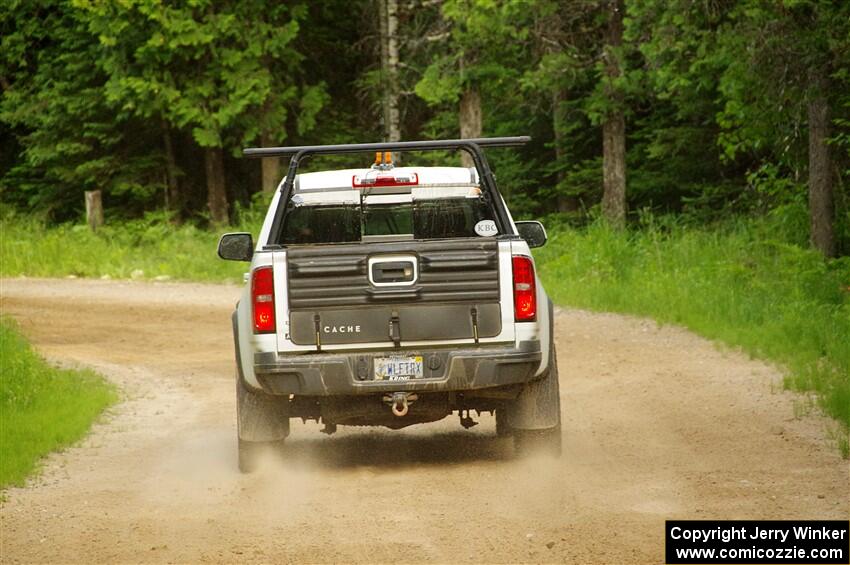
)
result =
(421, 219)
(321, 224)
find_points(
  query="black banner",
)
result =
(757, 541)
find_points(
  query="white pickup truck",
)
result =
(392, 296)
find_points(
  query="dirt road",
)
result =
(658, 424)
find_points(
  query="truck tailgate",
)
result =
(438, 290)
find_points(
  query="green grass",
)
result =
(147, 249)
(740, 284)
(42, 408)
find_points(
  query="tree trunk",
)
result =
(614, 126)
(388, 19)
(270, 165)
(385, 64)
(565, 203)
(173, 202)
(393, 117)
(216, 191)
(470, 119)
(821, 198)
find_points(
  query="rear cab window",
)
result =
(385, 213)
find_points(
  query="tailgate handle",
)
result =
(401, 271)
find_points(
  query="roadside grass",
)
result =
(145, 249)
(742, 284)
(42, 408)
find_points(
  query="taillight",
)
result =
(262, 298)
(525, 292)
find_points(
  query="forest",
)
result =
(701, 109)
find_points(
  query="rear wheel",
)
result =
(262, 424)
(535, 416)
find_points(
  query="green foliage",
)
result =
(146, 248)
(206, 66)
(730, 87)
(747, 284)
(715, 96)
(42, 408)
(91, 90)
(53, 99)
(482, 37)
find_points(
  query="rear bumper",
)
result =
(321, 374)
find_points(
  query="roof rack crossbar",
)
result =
(386, 146)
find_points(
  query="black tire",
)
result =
(538, 405)
(262, 424)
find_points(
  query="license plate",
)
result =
(398, 368)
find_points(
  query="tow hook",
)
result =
(400, 402)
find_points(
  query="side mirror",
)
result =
(532, 232)
(236, 246)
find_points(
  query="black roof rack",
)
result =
(471, 146)
(387, 146)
